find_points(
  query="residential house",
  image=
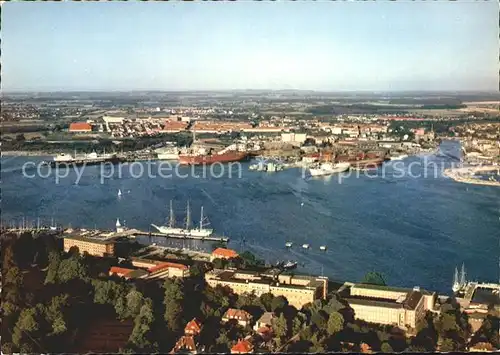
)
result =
(223, 253)
(265, 320)
(193, 327)
(243, 346)
(242, 317)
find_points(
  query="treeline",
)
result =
(50, 300)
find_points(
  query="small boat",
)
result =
(305, 246)
(290, 265)
(119, 192)
(323, 248)
(279, 263)
(288, 244)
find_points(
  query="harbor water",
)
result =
(414, 230)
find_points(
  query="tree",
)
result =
(141, 334)
(335, 323)
(374, 278)
(448, 345)
(71, 268)
(266, 299)
(26, 324)
(54, 313)
(334, 305)
(135, 300)
(280, 326)
(319, 319)
(53, 267)
(299, 322)
(219, 263)
(121, 307)
(173, 304)
(386, 347)
(278, 303)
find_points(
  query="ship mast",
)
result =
(462, 276)
(455, 280)
(201, 218)
(188, 217)
(171, 222)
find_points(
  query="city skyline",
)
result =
(263, 46)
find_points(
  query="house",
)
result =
(365, 348)
(265, 320)
(186, 344)
(79, 127)
(193, 327)
(265, 332)
(482, 347)
(242, 317)
(223, 253)
(243, 346)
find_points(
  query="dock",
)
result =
(175, 236)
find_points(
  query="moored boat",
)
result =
(226, 157)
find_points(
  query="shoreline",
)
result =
(464, 175)
(24, 153)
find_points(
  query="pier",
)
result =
(174, 236)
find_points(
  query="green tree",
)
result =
(386, 347)
(121, 307)
(448, 345)
(54, 313)
(335, 323)
(299, 322)
(219, 263)
(374, 278)
(141, 335)
(53, 267)
(334, 305)
(319, 319)
(71, 268)
(27, 323)
(278, 303)
(280, 326)
(135, 300)
(7, 348)
(173, 304)
(266, 299)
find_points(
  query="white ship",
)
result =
(305, 246)
(200, 231)
(459, 282)
(167, 153)
(329, 169)
(399, 157)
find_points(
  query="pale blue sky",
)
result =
(335, 46)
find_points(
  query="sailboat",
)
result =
(462, 276)
(201, 231)
(52, 225)
(119, 193)
(456, 283)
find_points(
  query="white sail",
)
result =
(462, 276)
(119, 192)
(456, 284)
(171, 221)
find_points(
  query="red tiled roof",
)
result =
(185, 342)
(242, 347)
(193, 326)
(233, 313)
(80, 126)
(119, 271)
(167, 265)
(226, 253)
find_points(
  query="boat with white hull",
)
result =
(329, 169)
(399, 157)
(199, 231)
(168, 153)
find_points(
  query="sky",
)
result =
(326, 46)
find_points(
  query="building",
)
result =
(119, 271)
(482, 347)
(168, 270)
(296, 139)
(265, 320)
(80, 127)
(223, 253)
(297, 289)
(193, 327)
(243, 346)
(186, 344)
(242, 317)
(93, 246)
(401, 307)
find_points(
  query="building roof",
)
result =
(137, 273)
(412, 299)
(242, 346)
(482, 346)
(167, 265)
(373, 302)
(233, 313)
(226, 253)
(120, 270)
(388, 288)
(80, 126)
(90, 240)
(186, 342)
(266, 318)
(193, 326)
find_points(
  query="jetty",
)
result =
(466, 175)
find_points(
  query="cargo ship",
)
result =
(93, 158)
(225, 157)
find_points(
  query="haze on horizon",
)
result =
(323, 46)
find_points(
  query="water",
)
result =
(413, 230)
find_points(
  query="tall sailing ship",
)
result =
(459, 282)
(188, 230)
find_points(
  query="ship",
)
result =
(329, 169)
(290, 265)
(305, 246)
(322, 248)
(221, 157)
(171, 229)
(288, 244)
(399, 157)
(459, 282)
(167, 153)
(87, 159)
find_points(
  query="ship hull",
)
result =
(340, 168)
(85, 162)
(184, 232)
(212, 159)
